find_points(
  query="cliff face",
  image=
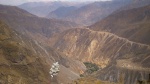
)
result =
(106, 50)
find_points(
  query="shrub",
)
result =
(81, 75)
(91, 67)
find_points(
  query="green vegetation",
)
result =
(91, 67)
(81, 75)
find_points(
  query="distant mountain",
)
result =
(42, 9)
(61, 12)
(94, 12)
(132, 24)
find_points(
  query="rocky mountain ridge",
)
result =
(93, 12)
(42, 9)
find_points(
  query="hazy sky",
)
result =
(17, 2)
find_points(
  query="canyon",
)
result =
(118, 43)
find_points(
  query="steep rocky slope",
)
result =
(132, 24)
(87, 45)
(24, 60)
(105, 49)
(19, 63)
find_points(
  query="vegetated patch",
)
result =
(91, 67)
